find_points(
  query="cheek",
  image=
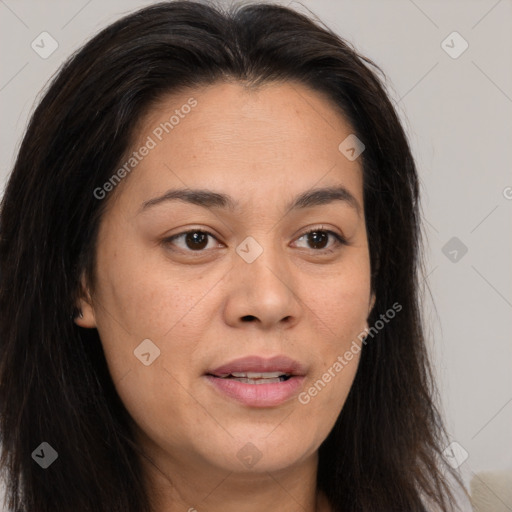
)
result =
(340, 316)
(143, 308)
(339, 310)
(324, 396)
(157, 320)
(145, 296)
(339, 304)
(158, 401)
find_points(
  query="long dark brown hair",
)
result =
(385, 450)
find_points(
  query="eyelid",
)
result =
(339, 238)
(168, 240)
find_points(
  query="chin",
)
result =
(260, 449)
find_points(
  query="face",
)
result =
(247, 290)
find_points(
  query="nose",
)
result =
(262, 291)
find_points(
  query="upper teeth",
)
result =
(255, 375)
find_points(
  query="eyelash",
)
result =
(339, 240)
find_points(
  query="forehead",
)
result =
(248, 143)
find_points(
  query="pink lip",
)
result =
(260, 364)
(259, 395)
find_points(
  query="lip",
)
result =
(258, 395)
(260, 364)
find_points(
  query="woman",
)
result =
(209, 295)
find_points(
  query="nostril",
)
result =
(248, 318)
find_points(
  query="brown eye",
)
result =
(318, 239)
(193, 240)
(196, 240)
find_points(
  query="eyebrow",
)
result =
(210, 199)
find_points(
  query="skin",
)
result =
(262, 147)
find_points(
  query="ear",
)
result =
(85, 316)
(372, 303)
(370, 307)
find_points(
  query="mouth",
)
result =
(258, 382)
(255, 377)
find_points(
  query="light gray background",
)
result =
(458, 114)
